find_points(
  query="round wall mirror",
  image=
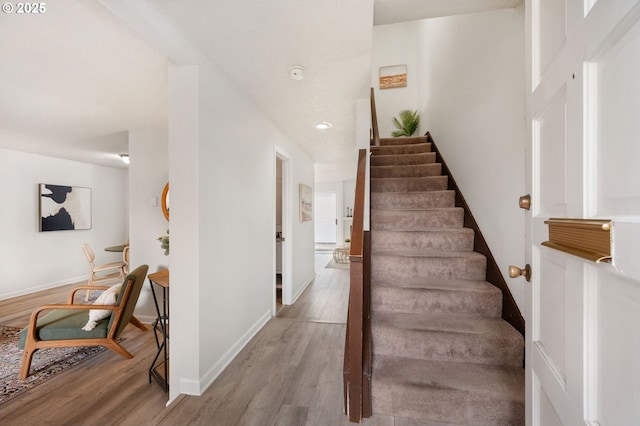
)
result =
(165, 201)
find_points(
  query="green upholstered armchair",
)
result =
(62, 325)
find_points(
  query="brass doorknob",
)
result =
(525, 202)
(515, 272)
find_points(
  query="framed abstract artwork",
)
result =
(64, 208)
(306, 205)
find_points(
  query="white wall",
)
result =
(395, 44)
(33, 260)
(222, 173)
(148, 173)
(303, 244)
(348, 195)
(471, 99)
(184, 291)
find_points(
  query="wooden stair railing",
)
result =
(375, 135)
(357, 348)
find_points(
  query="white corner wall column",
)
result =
(184, 116)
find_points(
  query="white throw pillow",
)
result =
(108, 297)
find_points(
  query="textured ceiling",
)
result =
(255, 43)
(74, 79)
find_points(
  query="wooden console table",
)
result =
(159, 369)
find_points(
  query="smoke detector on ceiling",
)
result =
(296, 72)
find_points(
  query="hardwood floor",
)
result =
(289, 374)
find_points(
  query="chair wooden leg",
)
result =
(135, 321)
(27, 356)
(116, 347)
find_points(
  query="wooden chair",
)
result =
(101, 273)
(62, 325)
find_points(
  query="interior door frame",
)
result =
(287, 212)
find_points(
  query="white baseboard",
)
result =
(303, 288)
(218, 367)
(47, 286)
(190, 387)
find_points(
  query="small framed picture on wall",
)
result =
(306, 203)
(393, 76)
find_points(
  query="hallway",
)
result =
(291, 372)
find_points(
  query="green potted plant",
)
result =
(347, 243)
(407, 123)
(164, 243)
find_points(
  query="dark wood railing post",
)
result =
(375, 135)
(357, 347)
(356, 313)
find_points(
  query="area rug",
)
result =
(333, 264)
(46, 363)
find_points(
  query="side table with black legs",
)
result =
(159, 369)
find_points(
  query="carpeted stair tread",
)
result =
(416, 184)
(450, 392)
(402, 171)
(413, 200)
(450, 296)
(427, 253)
(403, 159)
(405, 140)
(440, 284)
(469, 302)
(443, 337)
(403, 421)
(448, 239)
(415, 148)
(401, 264)
(405, 219)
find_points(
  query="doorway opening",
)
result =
(326, 221)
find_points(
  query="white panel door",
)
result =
(326, 224)
(583, 106)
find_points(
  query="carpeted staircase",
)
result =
(441, 351)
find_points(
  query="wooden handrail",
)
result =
(355, 383)
(357, 233)
(375, 135)
(357, 345)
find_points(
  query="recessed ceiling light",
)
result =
(296, 72)
(323, 125)
(125, 158)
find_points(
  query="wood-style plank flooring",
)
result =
(289, 374)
